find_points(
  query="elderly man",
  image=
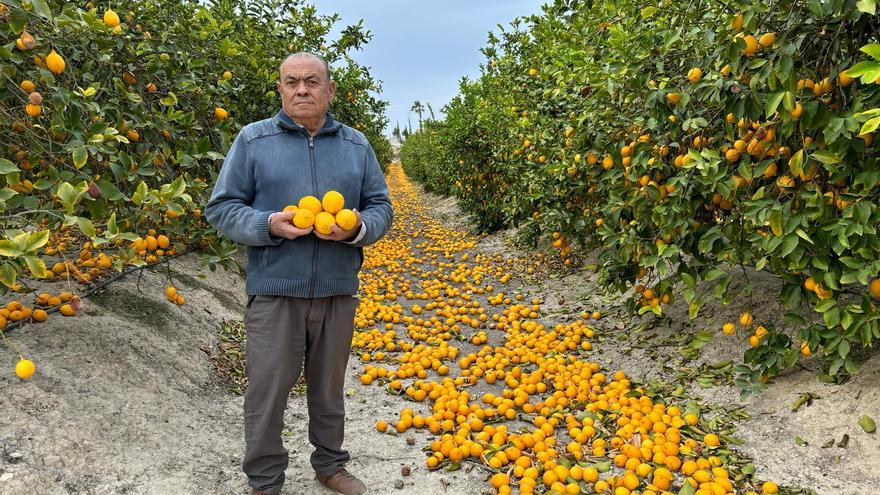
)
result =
(302, 285)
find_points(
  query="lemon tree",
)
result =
(683, 143)
(114, 123)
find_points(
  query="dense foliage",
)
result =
(683, 139)
(115, 123)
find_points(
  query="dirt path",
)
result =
(125, 399)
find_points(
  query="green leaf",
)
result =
(872, 49)
(772, 103)
(776, 222)
(827, 157)
(649, 11)
(68, 195)
(796, 163)
(7, 167)
(112, 229)
(36, 240)
(80, 156)
(867, 424)
(825, 305)
(687, 489)
(9, 249)
(86, 226)
(868, 7)
(36, 266)
(8, 274)
(41, 8)
(862, 68)
(870, 126)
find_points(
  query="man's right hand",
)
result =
(281, 226)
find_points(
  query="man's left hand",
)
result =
(339, 234)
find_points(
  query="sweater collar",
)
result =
(285, 122)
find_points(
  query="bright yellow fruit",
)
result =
(695, 74)
(55, 63)
(333, 202)
(304, 218)
(311, 203)
(25, 369)
(767, 39)
(346, 219)
(221, 113)
(324, 223)
(111, 19)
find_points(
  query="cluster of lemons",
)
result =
(588, 431)
(322, 214)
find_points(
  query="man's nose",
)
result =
(301, 89)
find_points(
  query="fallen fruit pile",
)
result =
(546, 419)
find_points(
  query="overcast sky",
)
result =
(421, 49)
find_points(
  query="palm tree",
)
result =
(418, 108)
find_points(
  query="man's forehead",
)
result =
(302, 67)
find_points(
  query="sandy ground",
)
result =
(125, 399)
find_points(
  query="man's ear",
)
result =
(278, 86)
(332, 88)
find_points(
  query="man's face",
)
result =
(305, 90)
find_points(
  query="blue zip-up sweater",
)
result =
(275, 162)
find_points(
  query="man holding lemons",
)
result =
(305, 194)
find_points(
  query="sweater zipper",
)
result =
(315, 191)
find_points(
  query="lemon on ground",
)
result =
(324, 222)
(346, 219)
(24, 368)
(332, 202)
(311, 203)
(304, 218)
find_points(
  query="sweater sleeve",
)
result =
(375, 203)
(229, 209)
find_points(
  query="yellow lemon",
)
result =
(324, 223)
(55, 63)
(304, 218)
(25, 368)
(311, 203)
(346, 219)
(111, 19)
(292, 208)
(220, 113)
(332, 202)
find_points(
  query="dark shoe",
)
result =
(254, 491)
(343, 482)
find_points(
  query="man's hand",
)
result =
(339, 234)
(281, 226)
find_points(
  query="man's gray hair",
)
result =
(307, 55)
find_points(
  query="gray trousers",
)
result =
(283, 333)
